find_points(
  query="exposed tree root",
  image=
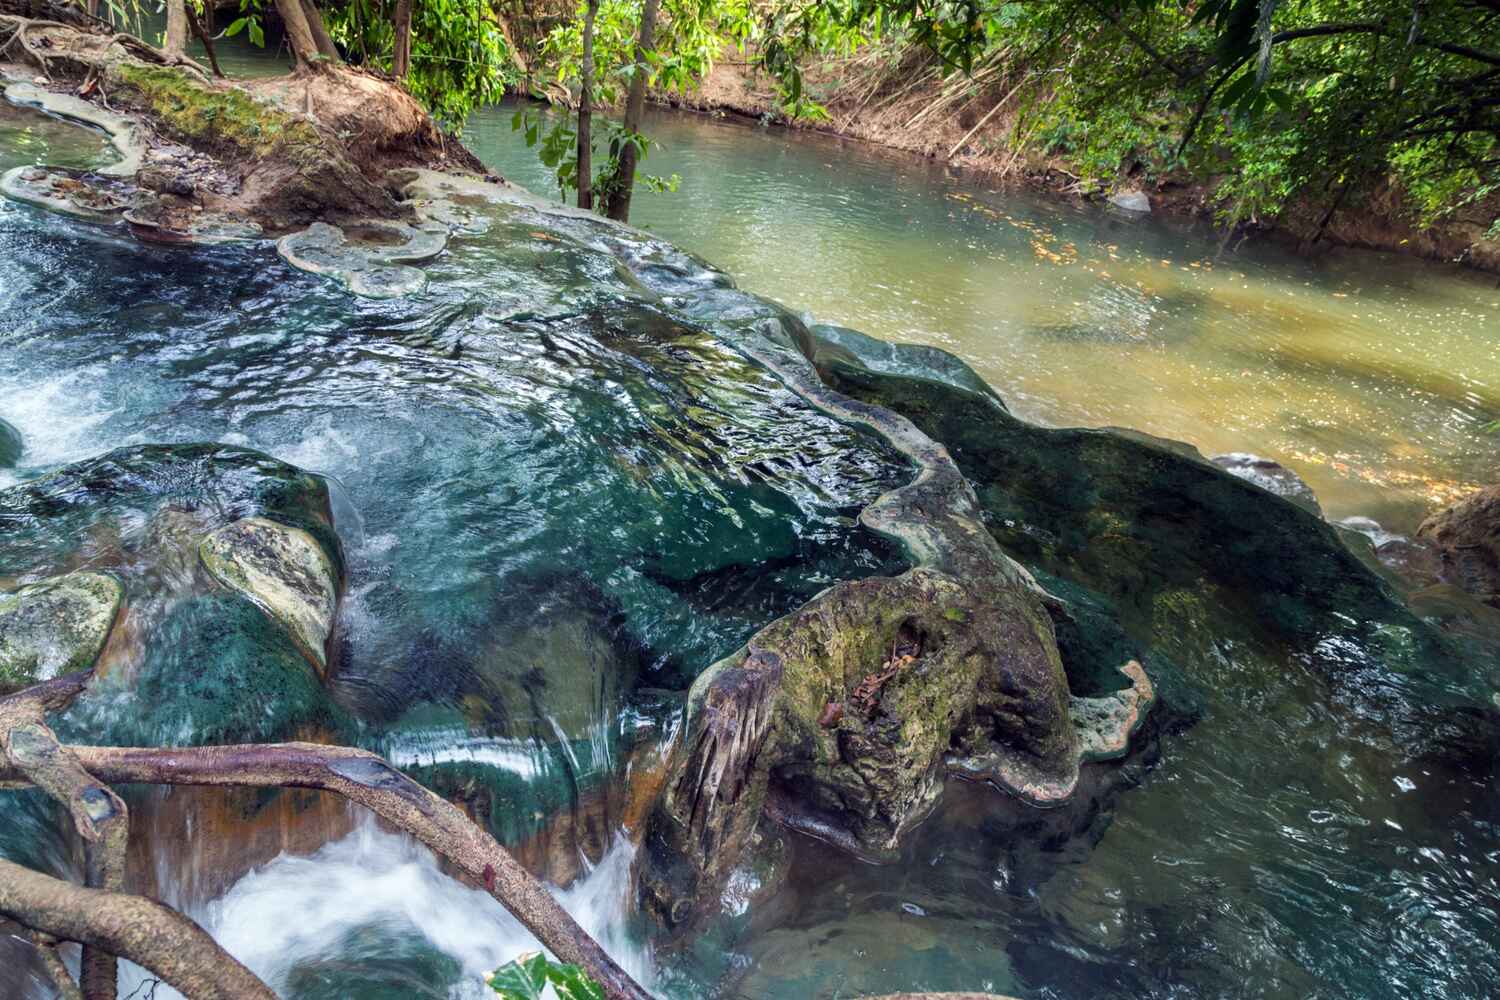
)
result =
(115, 924)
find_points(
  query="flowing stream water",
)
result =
(1369, 374)
(533, 463)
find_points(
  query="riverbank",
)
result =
(888, 98)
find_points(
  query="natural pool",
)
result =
(558, 498)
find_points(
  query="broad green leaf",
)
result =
(523, 979)
(572, 983)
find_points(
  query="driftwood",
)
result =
(110, 923)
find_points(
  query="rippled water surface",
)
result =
(537, 456)
(1368, 374)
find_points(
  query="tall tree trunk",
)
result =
(319, 30)
(401, 58)
(175, 43)
(299, 36)
(620, 189)
(586, 113)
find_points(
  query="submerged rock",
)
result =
(371, 258)
(284, 571)
(1272, 476)
(11, 445)
(1133, 200)
(1106, 722)
(142, 514)
(1467, 538)
(69, 192)
(55, 627)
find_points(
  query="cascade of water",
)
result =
(372, 898)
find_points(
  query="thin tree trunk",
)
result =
(401, 58)
(205, 35)
(175, 43)
(299, 36)
(586, 113)
(623, 186)
(320, 35)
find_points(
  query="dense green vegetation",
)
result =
(1317, 101)
(1276, 103)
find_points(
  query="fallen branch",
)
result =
(154, 937)
(367, 779)
(99, 815)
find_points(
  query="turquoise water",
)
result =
(561, 491)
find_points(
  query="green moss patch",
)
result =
(221, 118)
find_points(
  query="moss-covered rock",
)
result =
(285, 572)
(290, 169)
(142, 514)
(54, 627)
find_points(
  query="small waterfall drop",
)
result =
(376, 898)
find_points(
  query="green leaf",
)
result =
(572, 983)
(257, 34)
(236, 26)
(523, 979)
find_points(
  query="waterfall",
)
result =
(373, 895)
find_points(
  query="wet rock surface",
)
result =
(223, 651)
(11, 445)
(1467, 539)
(77, 193)
(1272, 476)
(285, 572)
(54, 626)
(372, 259)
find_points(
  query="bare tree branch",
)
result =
(367, 779)
(159, 939)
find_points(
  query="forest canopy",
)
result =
(1275, 102)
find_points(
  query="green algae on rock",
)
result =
(284, 571)
(372, 258)
(55, 626)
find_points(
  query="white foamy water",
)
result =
(296, 911)
(61, 419)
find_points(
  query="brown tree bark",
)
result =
(617, 203)
(299, 36)
(401, 58)
(161, 940)
(368, 780)
(204, 31)
(99, 816)
(175, 42)
(321, 38)
(586, 112)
